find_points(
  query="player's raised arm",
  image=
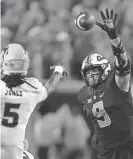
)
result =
(58, 74)
(122, 64)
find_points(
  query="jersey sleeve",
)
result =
(82, 95)
(2, 87)
(122, 62)
(42, 91)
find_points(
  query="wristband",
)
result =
(59, 69)
(115, 42)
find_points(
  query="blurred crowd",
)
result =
(63, 134)
(66, 136)
(46, 29)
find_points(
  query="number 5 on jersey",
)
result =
(103, 118)
(8, 114)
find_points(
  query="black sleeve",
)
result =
(122, 63)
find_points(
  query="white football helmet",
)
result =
(14, 60)
(96, 61)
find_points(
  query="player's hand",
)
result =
(60, 69)
(109, 23)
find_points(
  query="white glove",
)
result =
(60, 69)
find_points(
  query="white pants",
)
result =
(12, 152)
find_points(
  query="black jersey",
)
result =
(110, 111)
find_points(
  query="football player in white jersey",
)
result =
(19, 96)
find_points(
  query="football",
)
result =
(85, 21)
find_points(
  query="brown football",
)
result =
(85, 21)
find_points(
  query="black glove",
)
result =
(109, 25)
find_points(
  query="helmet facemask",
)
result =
(92, 76)
(95, 70)
(15, 67)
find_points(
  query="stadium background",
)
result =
(46, 29)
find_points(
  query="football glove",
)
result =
(109, 23)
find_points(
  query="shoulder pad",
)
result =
(33, 81)
(2, 85)
(83, 94)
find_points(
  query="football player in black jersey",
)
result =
(107, 96)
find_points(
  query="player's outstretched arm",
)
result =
(58, 74)
(122, 64)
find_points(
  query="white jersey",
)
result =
(16, 109)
